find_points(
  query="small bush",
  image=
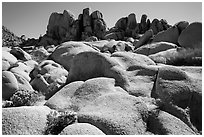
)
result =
(187, 57)
(57, 121)
(25, 98)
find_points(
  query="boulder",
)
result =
(116, 114)
(131, 24)
(65, 52)
(23, 84)
(128, 59)
(174, 89)
(9, 58)
(88, 65)
(99, 28)
(5, 65)
(87, 20)
(20, 54)
(122, 23)
(24, 120)
(81, 129)
(78, 94)
(96, 15)
(165, 57)
(143, 24)
(22, 69)
(40, 54)
(91, 39)
(156, 26)
(115, 35)
(164, 123)
(62, 99)
(181, 25)
(155, 47)
(191, 36)
(59, 25)
(144, 39)
(140, 72)
(170, 35)
(9, 84)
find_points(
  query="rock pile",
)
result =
(110, 86)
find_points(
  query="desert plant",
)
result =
(187, 57)
(25, 98)
(58, 120)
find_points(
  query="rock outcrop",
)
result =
(131, 79)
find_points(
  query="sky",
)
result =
(31, 18)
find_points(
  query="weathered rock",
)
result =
(24, 120)
(144, 39)
(115, 35)
(122, 23)
(48, 77)
(128, 59)
(154, 48)
(96, 15)
(81, 129)
(62, 99)
(23, 84)
(99, 28)
(143, 24)
(9, 84)
(65, 52)
(91, 39)
(78, 94)
(165, 57)
(131, 24)
(40, 54)
(156, 26)
(196, 109)
(140, 72)
(116, 114)
(7, 57)
(22, 70)
(174, 89)
(59, 25)
(20, 54)
(87, 20)
(88, 65)
(46, 40)
(5, 65)
(40, 84)
(181, 25)
(165, 124)
(170, 35)
(191, 36)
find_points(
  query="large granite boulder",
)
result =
(65, 52)
(154, 48)
(170, 35)
(59, 25)
(9, 84)
(164, 123)
(191, 36)
(81, 129)
(20, 54)
(175, 90)
(24, 120)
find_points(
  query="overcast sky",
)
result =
(31, 19)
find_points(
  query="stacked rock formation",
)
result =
(104, 85)
(63, 27)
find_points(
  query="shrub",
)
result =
(25, 98)
(57, 121)
(187, 57)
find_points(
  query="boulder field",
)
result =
(85, 79)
